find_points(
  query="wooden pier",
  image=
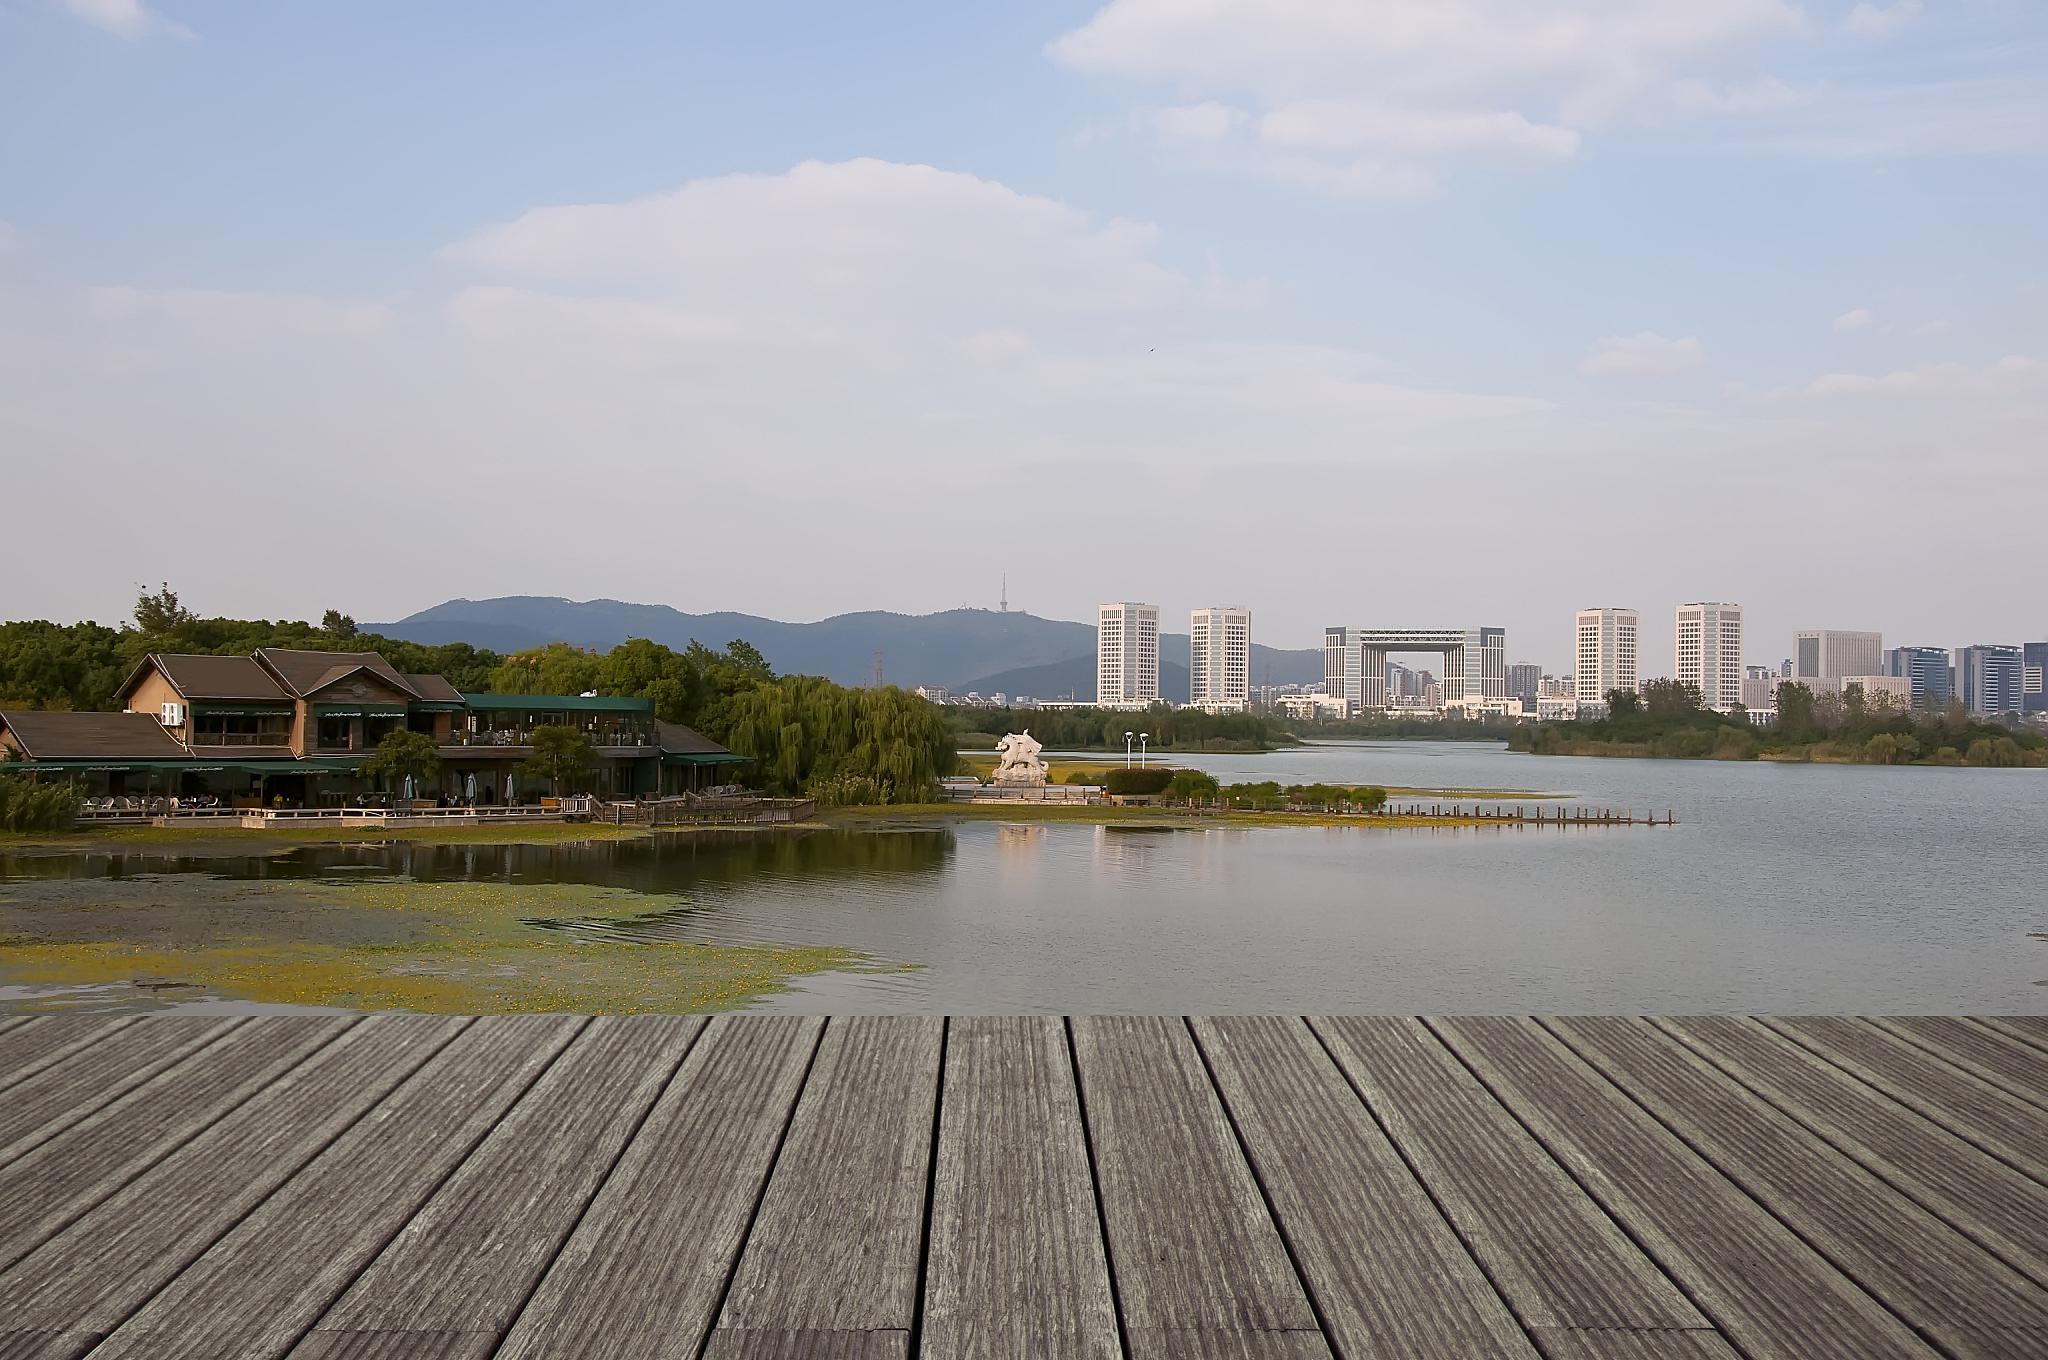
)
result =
(774, 1188)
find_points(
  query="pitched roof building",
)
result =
(298, 726)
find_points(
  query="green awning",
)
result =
(558, 703)
(241, 711)
(359, 710)
(725, 758)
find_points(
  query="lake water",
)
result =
(1782, 889)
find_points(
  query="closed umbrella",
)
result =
(469, 788)
(408, 788)
(509, 790)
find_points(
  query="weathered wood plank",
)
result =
(2002, 1124)
(1557, 1258)
(458, 1273)
(1016, 1266)
(49, 1039)
(1199, 1266)
(38, 1107)
(643, 1273)
(831, 1266)
(1770, 1293)
(1993, 1203)
(2031, 1029)
(1384, 1269)
(2011, 1064)
(86, 1280)
(259, 1288)
(1930, 1275)
(64, 1177)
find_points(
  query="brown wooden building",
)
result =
(296, 726)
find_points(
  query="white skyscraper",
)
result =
(1126, 654)
(1709, 652)
(1830, 653)
(1606, 654)
(1220, 658)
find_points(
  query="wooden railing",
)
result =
(690, 811)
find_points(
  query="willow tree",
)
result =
(803, 731)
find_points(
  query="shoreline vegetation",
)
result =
(1667, 721)
(441, 948)
(1064, 769)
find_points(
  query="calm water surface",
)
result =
(1783, 888)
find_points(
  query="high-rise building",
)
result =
(1525, 681)
(1606, 652)
(1990, 679)
(2034, 677)
(1126, 654)
(1760, 689)
(1355, 662)
(1828, 653)
(1928, 669)
(1709, 652)
(1219, 658)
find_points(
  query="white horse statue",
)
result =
(1017, 760)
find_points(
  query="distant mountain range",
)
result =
(960, 649)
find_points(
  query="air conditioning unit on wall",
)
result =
(172, 715)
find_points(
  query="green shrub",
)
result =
(1256, 797)
(1192, 786)
(1138, 780)
(1369, 799)
(849, 790)
(30, 805)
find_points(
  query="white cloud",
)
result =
(1424, 135)
(1855, 319)
(1207, 121)
(1878, 22)
(2008, 375)
(1643, 353)
(1418, 83)
(1765, 94)
(125, 18)
(865, 244)
(242, 316)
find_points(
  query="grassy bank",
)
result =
(237, 840)
(458, 948)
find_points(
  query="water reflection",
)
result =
(660, 864)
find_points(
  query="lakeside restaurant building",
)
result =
(291, 726)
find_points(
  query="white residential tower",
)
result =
(1709, 652)
(1126, 655)
(1606, 654)
(1220, 658)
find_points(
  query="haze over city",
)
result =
(1475, 313)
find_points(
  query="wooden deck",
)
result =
(770, 1188)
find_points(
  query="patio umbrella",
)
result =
(408, 788)
(469, 788)
(508, 787)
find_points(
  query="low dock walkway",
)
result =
(790, 1188)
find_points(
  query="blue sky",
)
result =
(1384, 312)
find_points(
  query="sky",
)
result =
(1381, 312)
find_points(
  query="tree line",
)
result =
(1668, 720)
(800, 734)
(1102, 729)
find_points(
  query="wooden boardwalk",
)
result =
(787, 1188)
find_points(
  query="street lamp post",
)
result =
(1127, 748)
(1141, 746)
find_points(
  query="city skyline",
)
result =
(252, 255)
